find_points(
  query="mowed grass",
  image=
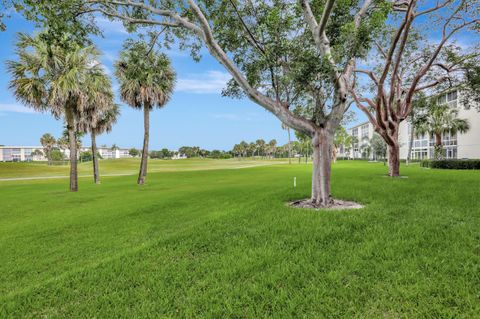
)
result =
(126, 166)
(223, 244)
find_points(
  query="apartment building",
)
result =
(28, 154)
(466, 145)
(108, 153)
(20, 153)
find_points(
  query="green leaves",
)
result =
(145, 75)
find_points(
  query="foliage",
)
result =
(163, 153)
(56, 155)
(189, 151)
(86, 156)
(219, 154)
(133, 152)
(51, 78)
(146, 77)
(438, 120)
(452, 164)
(379, 147)
(66, 23)
(64, 141)
(48, 142)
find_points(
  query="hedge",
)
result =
(451, 164)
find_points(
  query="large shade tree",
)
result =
(293, 58)
(50, 77)
(146, 82)
(407, 63)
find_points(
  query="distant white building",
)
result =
(20, 154)
(458, 145)
(108, 153)
(177, 155)
(26, 153)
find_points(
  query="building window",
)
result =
(451, 96)
(365, 131)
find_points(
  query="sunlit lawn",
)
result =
(127, 166)
(223, 244)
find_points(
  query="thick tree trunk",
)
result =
(143, 165)
(322, 149)
(96, 175)
(393, 160)
(72, 137)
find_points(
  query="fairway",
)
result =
(125, 166)
(221, 243)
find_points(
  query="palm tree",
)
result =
(272, 147)
(100, 116)
(48, 142)
(440, 119)
(146, 81)
(51, 77)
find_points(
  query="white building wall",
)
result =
(469, 143)
(404, 138)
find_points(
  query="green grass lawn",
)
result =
(222, 243)
(126, 166)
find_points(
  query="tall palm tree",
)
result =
(51, 78)
(146, 81)
(440, 119)
(48, 142)
(100, 115)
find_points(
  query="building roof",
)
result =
(358, 125)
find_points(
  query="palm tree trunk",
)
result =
(96, 175)
(143, 165)
(438, 150)
(72, 137)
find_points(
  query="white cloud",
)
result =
(15, 108)
(207, 83)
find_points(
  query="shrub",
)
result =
(452, 164)
(425, 163)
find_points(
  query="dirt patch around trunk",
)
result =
(337, 204)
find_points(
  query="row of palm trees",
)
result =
(65, 79)
(257, 148)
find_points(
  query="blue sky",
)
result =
(197, 114)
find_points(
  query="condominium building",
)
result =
(108, 153)
(466, 145)
(29, 154)
(21, 153)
